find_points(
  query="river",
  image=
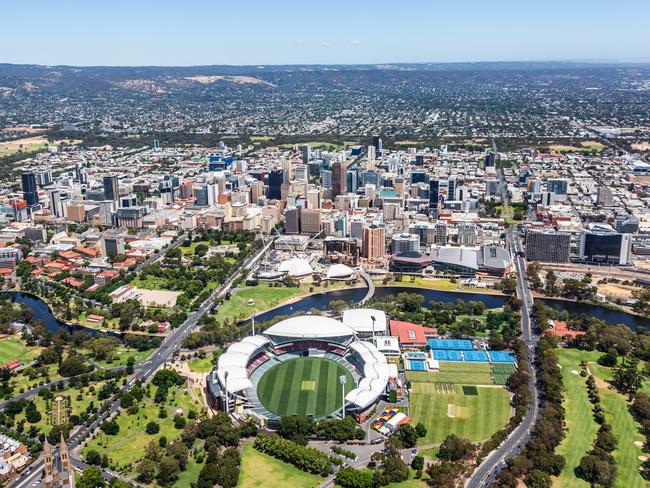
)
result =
(321, 301)
(41, 311)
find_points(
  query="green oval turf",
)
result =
(304, 386)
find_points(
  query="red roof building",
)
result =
(561, 329)
(410, 334)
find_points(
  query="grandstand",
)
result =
(293, 368)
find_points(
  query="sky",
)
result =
(251, 32)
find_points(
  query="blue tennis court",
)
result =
(417, 365)
(447, 355)
(453, 344)
(476, 356)
(502, 357)
(416, 355)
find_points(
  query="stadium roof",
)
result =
(339, 271)
(360, 319)
(309, 327)
(296, 267)
(457, 256)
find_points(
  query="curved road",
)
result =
(488, 470)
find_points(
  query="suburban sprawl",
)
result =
(314, 276)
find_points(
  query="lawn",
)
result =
(201, 365)
(303, 386)
(263, 296)
(22, 381)
(121, 355)
(580, 424)
(419, 282)
(624, 428)
(150, 282)
(446, 409)
(190, 475)
(80, 398)
(13, 348)
(129, 445)
(259, 469)
(464, 373)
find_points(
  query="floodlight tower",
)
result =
(343, 380)
(225, 380)
(372, 317)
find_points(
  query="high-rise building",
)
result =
(276, 178)
(186, 189)
(352, 183)
(600, 244)
(306, 153)
(310, 221)
(338, 179)
(313, 198)
(374, 242)
(112, 245)
(490, 159)
(466, 234)
(130, 200)
(604, 197)
(300, 172)
(58, 202)
(376, 142)
(451, 188)
(371, 157)
(548, 247)
(426, 232)
(559, 187)
(441, 234)
(44, 178)
(111, 188)
(418, 177)
(30, 192)
(434, 193)
(326, 179)
(166, 190)
(404, 242)
(292, 220)
(257, 191)
(491, 186)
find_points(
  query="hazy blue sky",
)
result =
(190, 32)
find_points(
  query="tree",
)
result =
(93, 457)
(538, 479)
(168, 471)
(551, 284)
(354, 478)
(627, 378)
(152, 428)
(596, 470)
(454, 448)
(417, 463)
(146, 470)
(91, 478)
(533, 275)
(444, 475)
(72, 366)
(110, 427)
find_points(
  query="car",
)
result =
(414, 452)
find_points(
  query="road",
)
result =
(146, 371)
(488, 470)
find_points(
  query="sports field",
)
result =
(259, 469)
(12, 348)
(303, 386)
(473, 412)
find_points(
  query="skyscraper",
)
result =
(374, 242)
(30, 192)
(376, 142)
(276, 178)
(306, 153)
(338, 179)
(111, 188)
(434, 193)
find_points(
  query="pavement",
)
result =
(488, 470)
(145, 371)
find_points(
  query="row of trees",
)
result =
(598, 467)
(640, 409)
(299, 428)
(304, 458)
(538, 461)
